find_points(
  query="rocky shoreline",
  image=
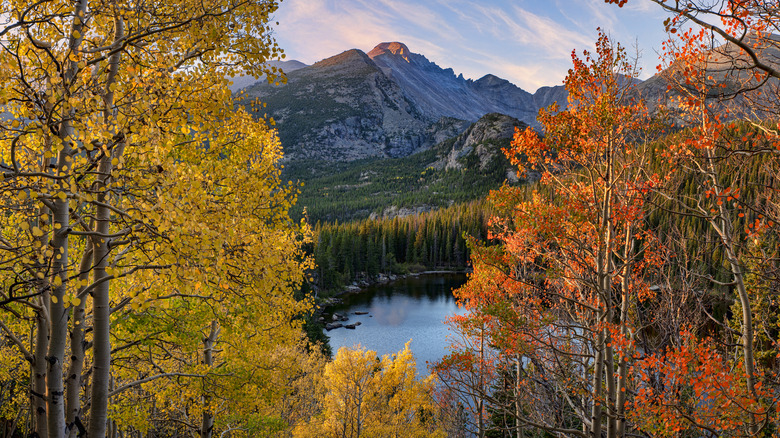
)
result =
(336, 319)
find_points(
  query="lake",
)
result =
(411, 308)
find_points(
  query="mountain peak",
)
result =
(490, 80)
(391, 48)
(348, 57)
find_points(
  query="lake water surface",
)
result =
(411, 308)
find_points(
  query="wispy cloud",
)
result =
(409, 13)
(527, 42)
(552, 36)
(322, 28)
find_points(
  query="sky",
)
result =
(528, 42)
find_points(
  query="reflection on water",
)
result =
(413, 308)
(393, 315)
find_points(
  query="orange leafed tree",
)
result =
(558, 293)
(722, 91)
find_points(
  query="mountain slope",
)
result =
(240, 82)
(387, 103)
(345, 108)
(439, 92)
(459, 169)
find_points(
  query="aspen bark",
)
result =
(518, 410)
(58, 315)
(101, 308)
(723, 227)
(38, 390)
(207, 422)
(622, 375)
(73, 381)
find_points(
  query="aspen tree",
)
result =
(110, 108)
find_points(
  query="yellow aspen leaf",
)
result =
(54, 299)
(37, 232)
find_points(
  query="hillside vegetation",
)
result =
(458, 170)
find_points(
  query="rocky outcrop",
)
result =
(482, 140)
(393, 211)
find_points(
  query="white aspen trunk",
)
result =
(58, 315)
(38, 399)
(481, 403)
(611, 401)
(596, 408)
(609, 359)
(518, 410)
(722, 226)
(101, 307)
(207, 422)
(73, 382)
(359, 422)
(603, 360)
(628, 253)
(747, 328)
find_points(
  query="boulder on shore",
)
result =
(339, 317)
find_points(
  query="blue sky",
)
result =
(528, 42)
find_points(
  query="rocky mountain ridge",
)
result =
(482, 140)
(389, 102)
(439, 92)
(392, 102)
(345, 108)
(240, 82)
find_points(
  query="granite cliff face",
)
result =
(390, 102)
(480, 145)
